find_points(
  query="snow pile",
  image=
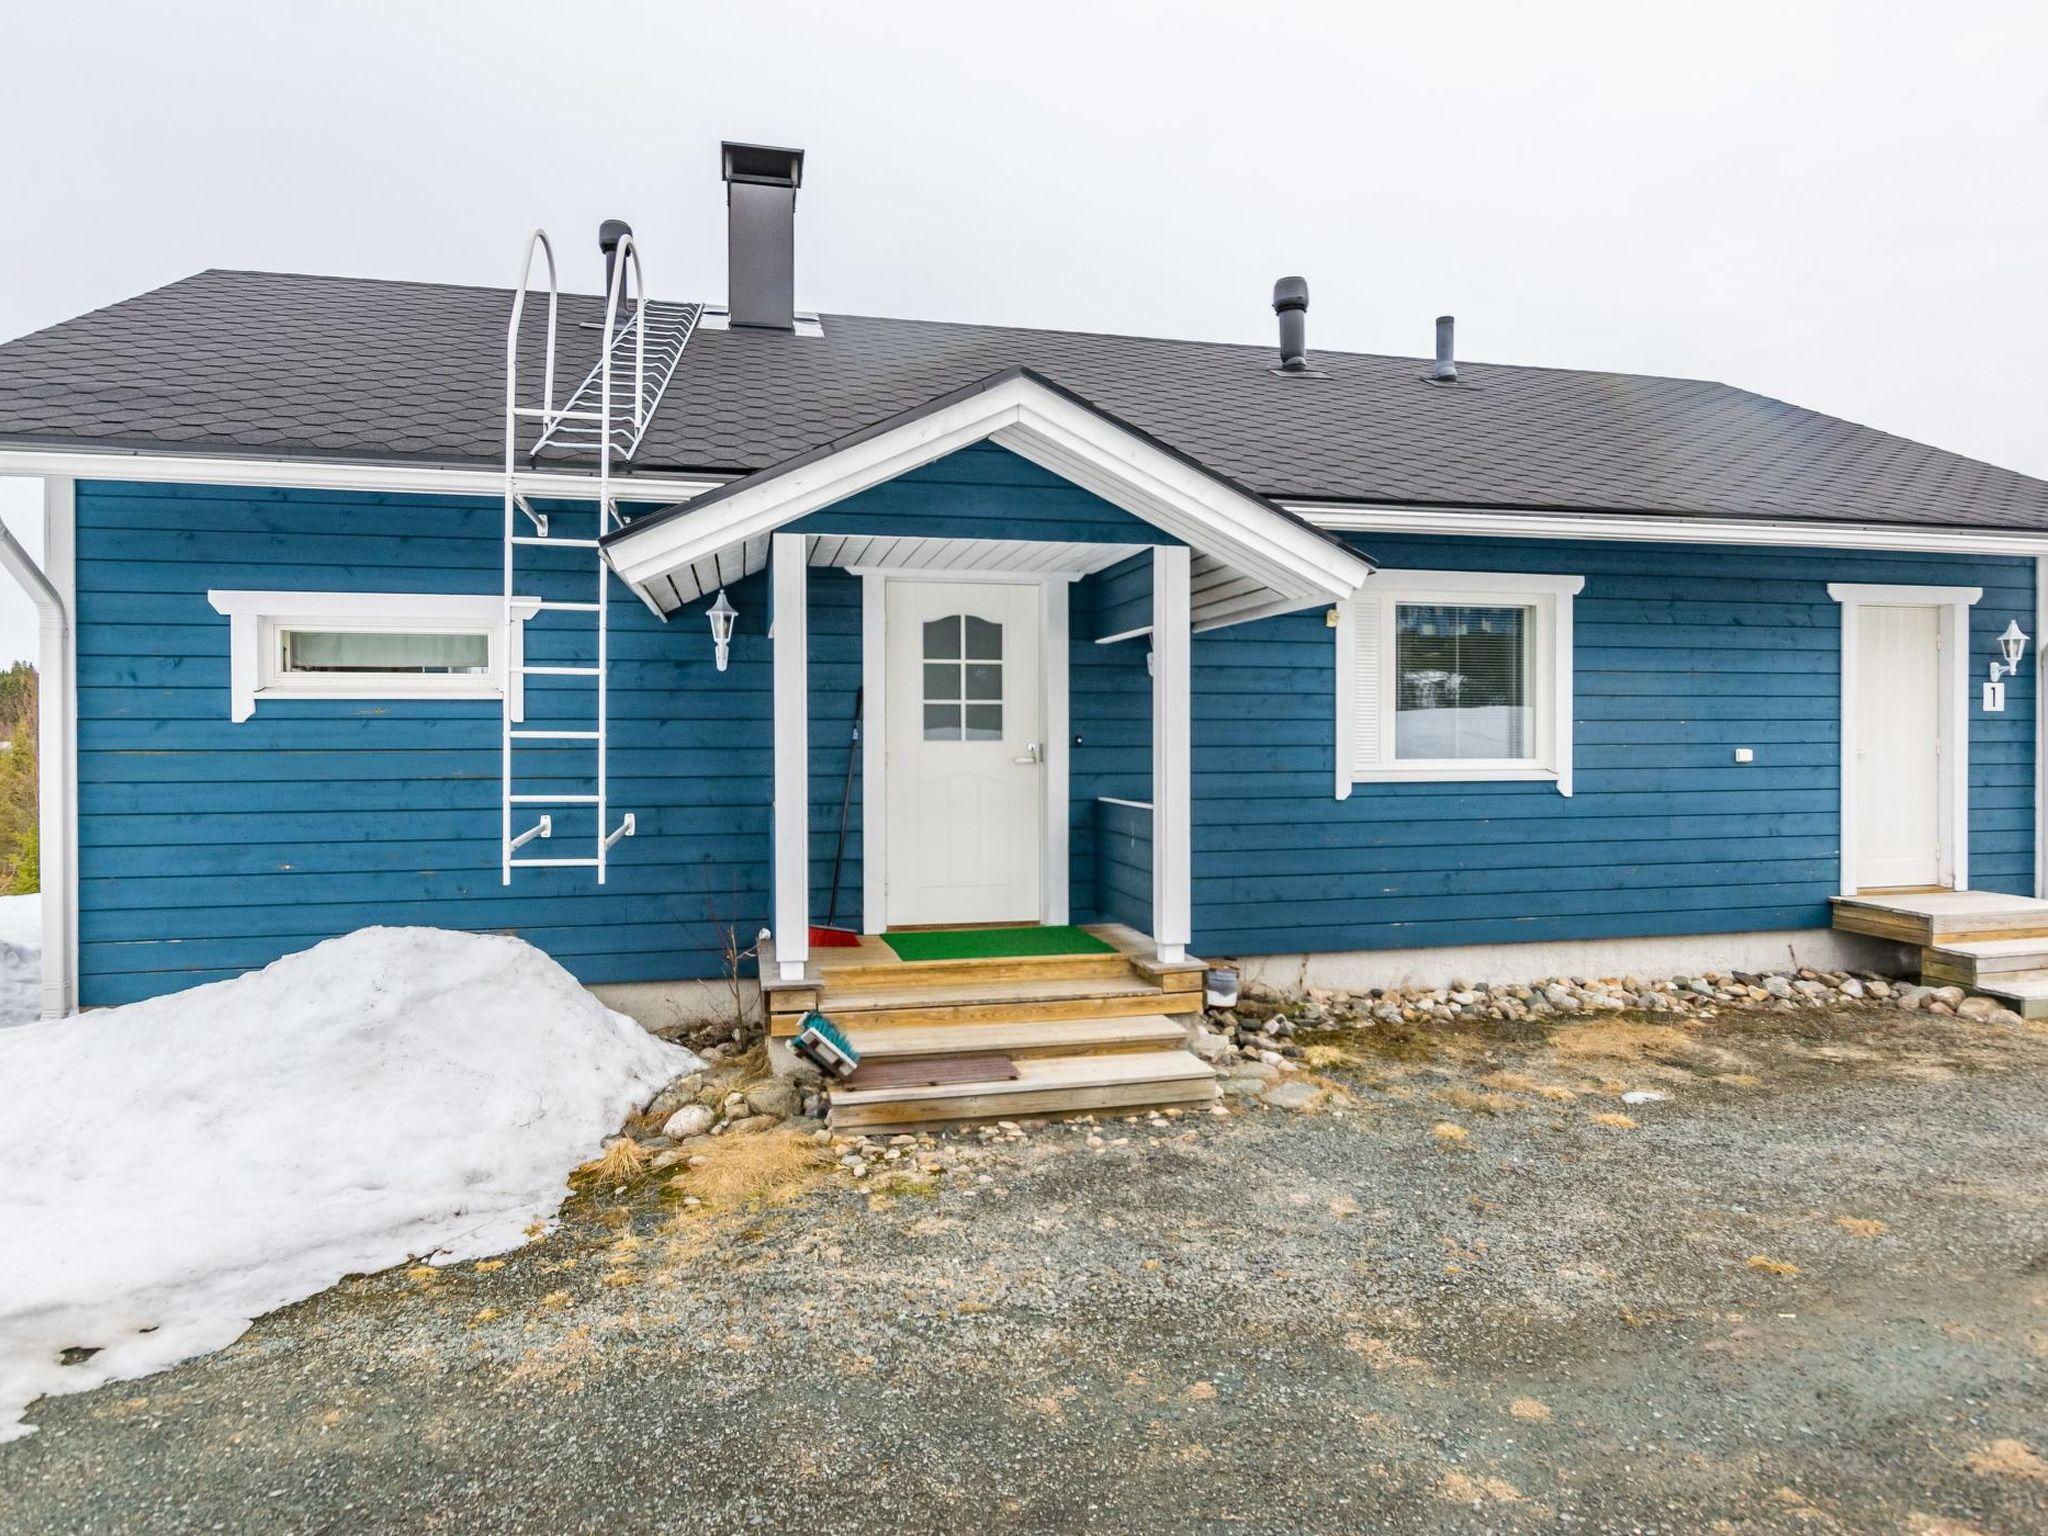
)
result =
(21, 958)
(178, 1167)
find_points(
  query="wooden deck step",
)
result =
(1967, 962)
(1934, 918)
(1014, 1038)
(1008, 1002)
(1044, 1085)
(2024, 992)
(995, 970)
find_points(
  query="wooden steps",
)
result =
(1018, 1039)
(1935, 918)
(1043, 1085)
(1084, 1032)
(2024, 992)
(1973, 962)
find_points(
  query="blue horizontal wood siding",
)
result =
(1123, 865)
(1109, 706)
(207, 847)
(1682, 654)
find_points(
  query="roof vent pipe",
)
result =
(1290, 303)
(609, 234)
(1446, 371)
(760, 246)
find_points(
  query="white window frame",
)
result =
(255, 662)
(1550, 675)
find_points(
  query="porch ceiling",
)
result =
(1250, 558)
(890, 552)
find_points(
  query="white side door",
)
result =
(1898, 827)
(965, 753)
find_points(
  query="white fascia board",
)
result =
(333, 475)
(1484, 522)
(1044, 427)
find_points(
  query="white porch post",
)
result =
(1172, 706)
(788, 557)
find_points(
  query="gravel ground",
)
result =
(1808, 1292)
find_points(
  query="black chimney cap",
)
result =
(762, 164)
(1290, 293)
(610, 233)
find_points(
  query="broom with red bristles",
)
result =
(828, 935)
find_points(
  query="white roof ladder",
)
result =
(605, 416)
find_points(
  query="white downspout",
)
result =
(54, 765)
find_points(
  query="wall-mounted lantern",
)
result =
(721, 615)
(2012, 645)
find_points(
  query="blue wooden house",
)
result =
(637, 626)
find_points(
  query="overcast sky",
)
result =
(1839, 204)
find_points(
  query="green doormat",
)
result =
(994, 943)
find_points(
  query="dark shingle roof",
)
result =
(277, 364)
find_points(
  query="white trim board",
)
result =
(1054, 724)
(1485, 522)
(342, 475)
(1052, 431)
(251, 614)
(1954, 715)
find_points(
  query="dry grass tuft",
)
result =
(1862, 1226)
(622, 1161)
(1530, 1410)
(1449, 1135)
(753, 1171)
(1202, 1392)
(1463, 1488)
(1765, 1264)
(1622, 1040)
(1325, 1055)
(1477, 1102)
(2008, 1458)
(1613, 1119)
(487, 1315)
(485, 1266)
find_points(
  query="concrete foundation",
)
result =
(665, 1006)
(1356, 970)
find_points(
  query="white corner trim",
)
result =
(1902, 596)
(789, 573)
(1491, 522)
(874, 753)
(250, 615)
(1347, 692)
(1054, 712)
(1952, 710)
(52, 589)
(1172, 752)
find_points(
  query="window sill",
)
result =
(1458, 775)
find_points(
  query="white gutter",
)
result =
(340, 475)
(1492, 522)
(56, 736)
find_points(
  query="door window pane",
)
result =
(1461, 685)
(948, 679)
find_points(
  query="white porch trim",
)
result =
(1038, 422)
(1055, 681)
(1953, 713)
(1172, 752)
(790, 635)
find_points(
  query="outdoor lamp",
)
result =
(2012, 645)
(723, 613)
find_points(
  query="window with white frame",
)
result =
(1455, 675)
(370, 645)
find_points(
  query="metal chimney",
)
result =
(1446, 370)
(760, 200)
(1290, 303)
(609, 234)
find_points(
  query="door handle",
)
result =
(1031, 754)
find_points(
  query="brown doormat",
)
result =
(936, 1073)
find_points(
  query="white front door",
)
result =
(965, 753)
(1898, 827)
